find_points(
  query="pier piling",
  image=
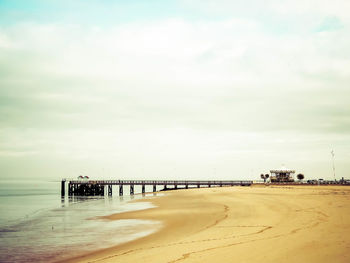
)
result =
(70, 189)
(63, 186)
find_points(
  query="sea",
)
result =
(38, 225)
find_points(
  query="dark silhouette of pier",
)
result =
(100, 187)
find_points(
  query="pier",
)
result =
(102, 187)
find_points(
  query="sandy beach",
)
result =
(241, 224)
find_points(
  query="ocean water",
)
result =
(37, 225)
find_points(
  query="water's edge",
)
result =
(36, 225)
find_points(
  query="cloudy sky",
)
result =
(174, 89)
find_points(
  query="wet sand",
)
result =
(241, 224)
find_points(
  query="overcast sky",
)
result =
(174, 89)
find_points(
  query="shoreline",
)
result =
(242, 223)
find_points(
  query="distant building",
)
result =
(282, 175)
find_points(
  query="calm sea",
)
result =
(37, 225)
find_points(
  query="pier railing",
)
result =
(159, 182)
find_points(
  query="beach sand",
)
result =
(241, 224)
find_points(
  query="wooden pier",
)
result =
(100, 187)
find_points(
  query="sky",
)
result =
(173, 89)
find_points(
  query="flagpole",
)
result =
(332, 152)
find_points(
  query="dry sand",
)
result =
(241, 224)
